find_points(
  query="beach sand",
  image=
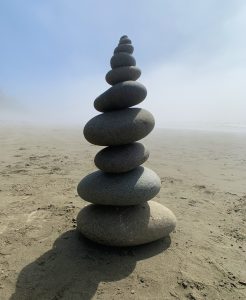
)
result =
(42, 256)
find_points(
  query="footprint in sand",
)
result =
(3, 228)
(37, 214)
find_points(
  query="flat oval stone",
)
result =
(122, 74)
(121, 95)
(119, 127)
(126, 226)
(125, 40)
(119, 159)
(122, 59)
(128, 48)
(130, 188)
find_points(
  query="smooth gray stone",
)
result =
(122, 74)
(130, 188)
(121, 95)
(119, 159)
(122, 60)
(125, 40)
(119, 127)
(126, 226)
(128, 48)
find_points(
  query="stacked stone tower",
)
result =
(120, 214)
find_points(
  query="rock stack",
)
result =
(120, 214)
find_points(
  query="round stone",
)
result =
(121, 95)
(130, 188)
(128, 48)
(122, 74)
(125, 40)
(119, 159)
(119, 127)
(126, 226)
(122, 60)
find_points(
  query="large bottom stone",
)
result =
(130, 188)
(126, 226)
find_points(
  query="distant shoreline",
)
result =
(215, 128)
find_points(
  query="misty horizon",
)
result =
(192, 56)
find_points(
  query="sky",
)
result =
(54, 55)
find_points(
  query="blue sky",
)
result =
(54, 56)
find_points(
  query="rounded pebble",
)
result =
(130, 188)
(126, 226)
(119, 159)
(128, 48)
(122, 74)
(119, 127)
(122, 59)
(121, 95)
(125, 40)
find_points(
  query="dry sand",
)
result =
(43, 257)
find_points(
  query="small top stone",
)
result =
(125, 40)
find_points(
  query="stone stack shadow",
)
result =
(120, 214)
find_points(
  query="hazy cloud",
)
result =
(8, 103)
(192, 55)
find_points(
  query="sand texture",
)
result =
(42, 256)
